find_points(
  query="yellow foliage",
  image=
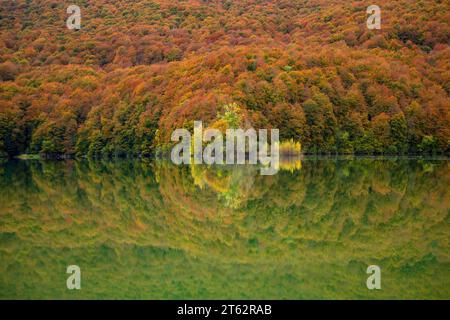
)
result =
(290, 147)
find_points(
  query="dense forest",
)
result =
(136, 70)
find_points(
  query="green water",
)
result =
(152, 230)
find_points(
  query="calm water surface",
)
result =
(152, 230)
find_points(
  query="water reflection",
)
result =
(145, 229)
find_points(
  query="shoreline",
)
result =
(302, 156)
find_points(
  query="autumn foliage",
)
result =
(139, 69)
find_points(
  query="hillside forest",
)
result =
(137, 70)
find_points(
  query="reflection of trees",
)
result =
(332, 217)
(233, 184)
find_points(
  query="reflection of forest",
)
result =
(157, 230)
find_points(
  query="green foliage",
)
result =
(428, 145)
(11, 134)
(399, 133)
(231, 114)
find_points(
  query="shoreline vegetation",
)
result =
(167, 156)
(287, 149)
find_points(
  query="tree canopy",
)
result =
(137, 70)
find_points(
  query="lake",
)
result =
(153, 230)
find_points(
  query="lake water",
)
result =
(152, 230)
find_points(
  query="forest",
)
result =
(137, 70)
